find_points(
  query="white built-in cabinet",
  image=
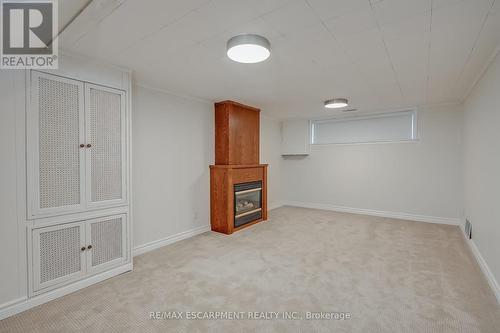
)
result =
(77, 180)
(76, 146)
(295, 137)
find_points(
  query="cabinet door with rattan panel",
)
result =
(59, 255)
(106, 237)
(106, 146)
(55, 141)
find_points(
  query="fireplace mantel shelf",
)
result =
(237, 166)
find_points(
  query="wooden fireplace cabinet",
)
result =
(237, 139)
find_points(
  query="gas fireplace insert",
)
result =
(247, 203)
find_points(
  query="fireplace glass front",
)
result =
(247, 203)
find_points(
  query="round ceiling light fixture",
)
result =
(248, 48)
(336, 103)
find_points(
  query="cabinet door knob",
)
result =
(82, 145)
(89, 145)
(89, 247)
(83, 248)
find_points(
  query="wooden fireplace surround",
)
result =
(237, 139)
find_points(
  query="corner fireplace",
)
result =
(247, 203)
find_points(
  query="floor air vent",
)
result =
(468, 229)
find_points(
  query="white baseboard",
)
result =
(494, 285)
(275, 205)
(17, 306)
(394, 215)
(138, 250)
(141, 249)
(24, 304)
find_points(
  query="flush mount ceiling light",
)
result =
(248, 48)
(336, 103)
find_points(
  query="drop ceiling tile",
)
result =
(365, 46)
(268, 6)
(93, 16)
(68, 9)
(184, 50)
(409, 58)
(202, 24)
(313, 46)
(496, 7)
(414, 90)
(111, 36)
(395, 10)
(486, 46)
(454, 32)
(439, 89)
(437, 4)
(453, 37)
(377, 73)
(462, 16)
(217, 16)
(176, 40)
(291, 18)
(387, 94)
(257, 26)
(414, 27)
(352, 23)
(327, 9)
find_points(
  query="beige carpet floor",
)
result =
(387, 275)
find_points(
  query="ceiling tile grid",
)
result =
(381, 54)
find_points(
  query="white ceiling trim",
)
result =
(168, 92)
(96, 61)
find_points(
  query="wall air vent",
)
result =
(468, 229)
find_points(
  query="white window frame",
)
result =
(415, 132)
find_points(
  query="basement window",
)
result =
(388, 127)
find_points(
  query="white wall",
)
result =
(482, 166)
(173, 146)
(421, 178)
(12, 276)
(270, 153)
